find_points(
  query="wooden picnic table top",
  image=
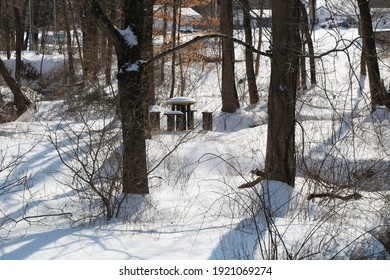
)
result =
(181, 101)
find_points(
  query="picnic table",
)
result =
(181, 114)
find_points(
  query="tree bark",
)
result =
(174, 33)
(371, 57)
(259, 42)
(68, 42)
(6, 35)
(18, 44)
(229, 92)
(89, 46)
(147, 53)
(131, 95)
(20, 100)
(308, 40)
(249, 63)
(280, 154)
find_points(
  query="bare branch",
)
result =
(203, 38)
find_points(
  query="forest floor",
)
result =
(195, 209)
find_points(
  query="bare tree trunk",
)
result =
(147, 53)
(5, 9)
(363, 62)
(280, 155)
(257, 62)
(68, 42)
(18, 45)
(90, 51)
(174, 33)
(20, 100)
(26, 24)
(308, 40)
(75, 32)
(164, 35)
(109, 49)
(229, 92)
(250, 71)
(132, 98)
(182, 78)
(370, 53)
(302, 68)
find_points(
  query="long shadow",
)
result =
(326, 154)
(239, 243)
(345, 123)
(32, 243)
(44, 164)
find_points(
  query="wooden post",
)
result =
(207, 120)
(170, 122)
(190, 120)
(175, 120)
(180, 122)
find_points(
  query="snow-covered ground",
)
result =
(195, 209)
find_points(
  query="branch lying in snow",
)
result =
(354, 196)
(259, 179)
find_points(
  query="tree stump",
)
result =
(207, 120)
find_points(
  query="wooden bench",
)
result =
(175, 120)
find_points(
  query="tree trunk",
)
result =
(75, 32)
(20, 100)
(280, 154)
(302, 68)
(5, 28)
(147, 53)
(174, 33)
(165, 43)
(131, 95)
(308, 40)
(363, 63)
(18, 45)
(229, 92)
(68, 42)
(250, 71)
(257, 62)
(370, 53)
(90, 45)
(110, 50)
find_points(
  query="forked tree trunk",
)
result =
(280, 154)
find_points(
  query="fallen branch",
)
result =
(354, 196)
(261, 177)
